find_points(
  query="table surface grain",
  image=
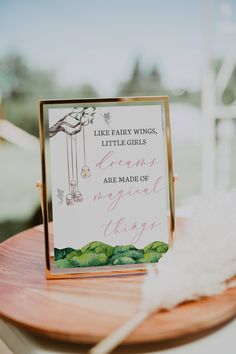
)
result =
(86, 310)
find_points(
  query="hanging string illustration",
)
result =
(74, 195)
(85, 171)
(72, 124)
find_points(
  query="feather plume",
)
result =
(202, 259)
(201, 263)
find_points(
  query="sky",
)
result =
(97, 41)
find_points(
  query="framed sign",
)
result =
(107, 184)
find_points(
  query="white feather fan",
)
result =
(201, 263)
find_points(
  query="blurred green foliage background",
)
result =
(23, 82)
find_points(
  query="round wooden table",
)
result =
(86, 310)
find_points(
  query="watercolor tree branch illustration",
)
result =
(82, 117)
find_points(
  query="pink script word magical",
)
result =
(116, 197)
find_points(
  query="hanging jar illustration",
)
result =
(78, 197)
(74, 196)
(85, 171)
(73, 187)
(69, 199)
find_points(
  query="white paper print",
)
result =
(108, 176)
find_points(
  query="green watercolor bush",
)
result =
(97, 253)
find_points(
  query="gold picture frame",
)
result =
(44, 106)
